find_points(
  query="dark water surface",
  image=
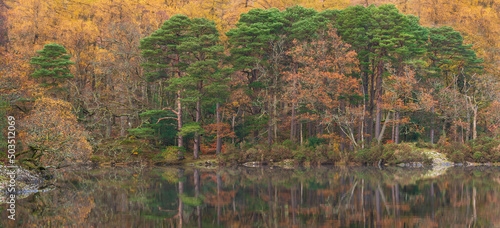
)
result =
(264, 197)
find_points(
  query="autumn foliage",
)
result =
(351, 72)
(53, 133)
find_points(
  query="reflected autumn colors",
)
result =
(265, 197)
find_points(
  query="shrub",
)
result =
(53, 134)
(279, 152)
(422, 144)
(370, 155)
(251, 154)
(170, 153)
(330, 153)
(315, 141)
(232, 155)
(481, 150)
(289, 144)
(391, 154)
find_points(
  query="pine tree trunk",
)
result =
(179, 124)
(369, 124)
(196, 149)
(379, 92)
(219, 139)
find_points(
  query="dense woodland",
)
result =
(199, 77)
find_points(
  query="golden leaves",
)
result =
(53, 128)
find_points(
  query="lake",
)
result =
(265, 197)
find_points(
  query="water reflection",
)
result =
(262, 197)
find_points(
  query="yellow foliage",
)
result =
(53, 129)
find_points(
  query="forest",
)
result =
(317, 81)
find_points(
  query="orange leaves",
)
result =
(321, 67)
(209, 143)
(399, 92)
(492, 115)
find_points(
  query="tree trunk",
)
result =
(369, 123)
(360, 132)
(474, 123)
(292, 124)
(219, 139)
(196, 149)
(432, 126)
(381, 134)
(123, 125)
(342, 143)
(301, 136)
(379, 92)
(233, 120)
(109, 125)
(179, 124)
(309, 129)
(378, 121)
(270, 124)
(396, 134)
(274, 118)
(393, 128)
(255, 132)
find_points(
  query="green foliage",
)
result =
(170, 153)
(52, 65)
(481, 150)
(160, 133)
(145, 133)
(313, 155)
(191, 128)
(231, 156)
(392, 154)
(455, 152)
(422, 144)
(370, 156)
(445, 50)
(192, 201)
(315, 141)
(279, 152)
(289, 144)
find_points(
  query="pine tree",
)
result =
(53, 65)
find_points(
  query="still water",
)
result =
(265, 197)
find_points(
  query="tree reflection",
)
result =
(243, 197)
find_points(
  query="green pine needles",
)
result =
(52, 66)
